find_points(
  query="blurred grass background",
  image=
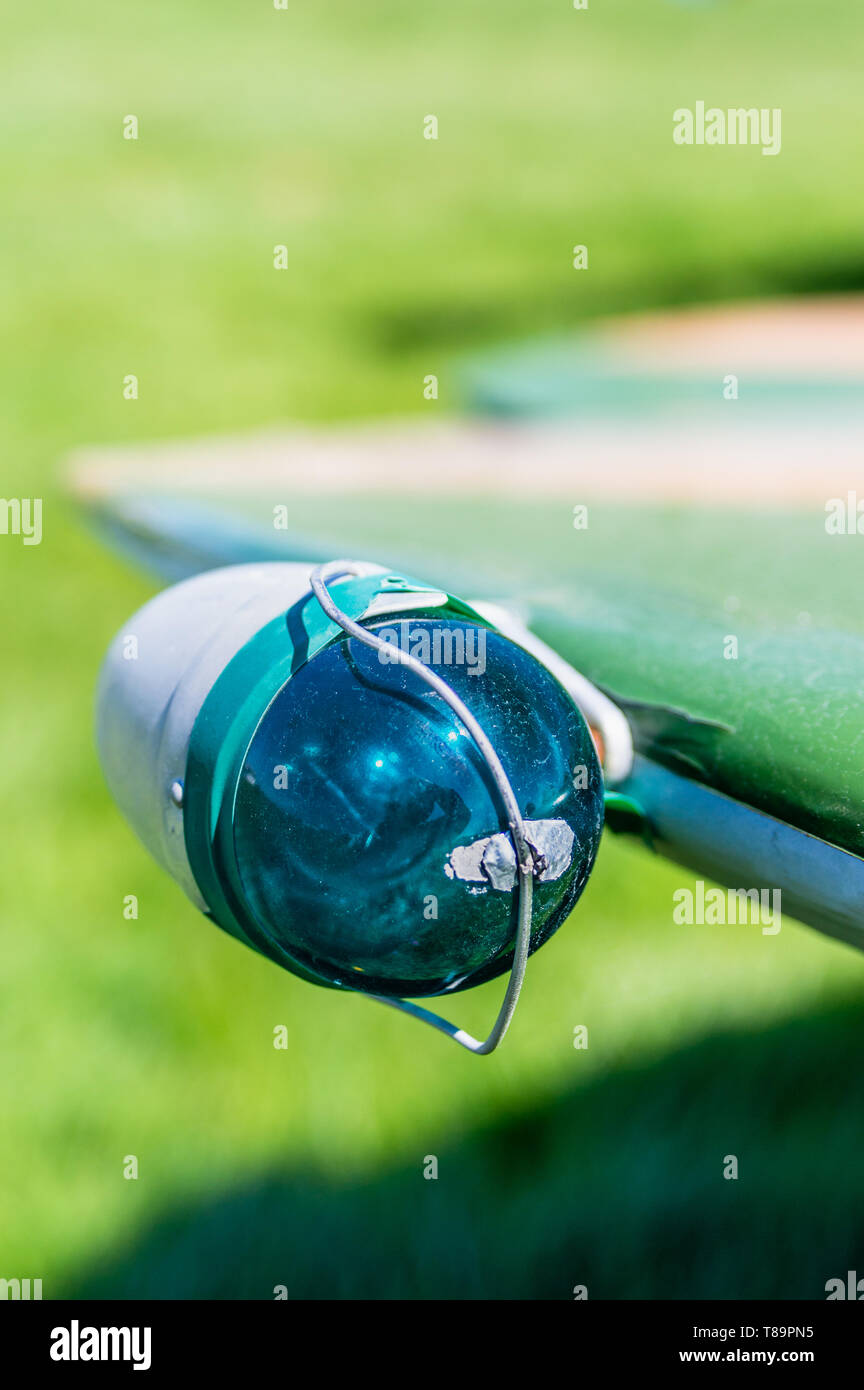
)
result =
(304, 1167)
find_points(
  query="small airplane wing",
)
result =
(726, 623)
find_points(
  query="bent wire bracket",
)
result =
(528, 860)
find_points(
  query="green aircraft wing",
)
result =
(734, 642)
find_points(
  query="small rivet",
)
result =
(176, 793)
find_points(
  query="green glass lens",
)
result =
(363, 803)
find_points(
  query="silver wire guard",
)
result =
(525, 854)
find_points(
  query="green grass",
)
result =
(260, 1167)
